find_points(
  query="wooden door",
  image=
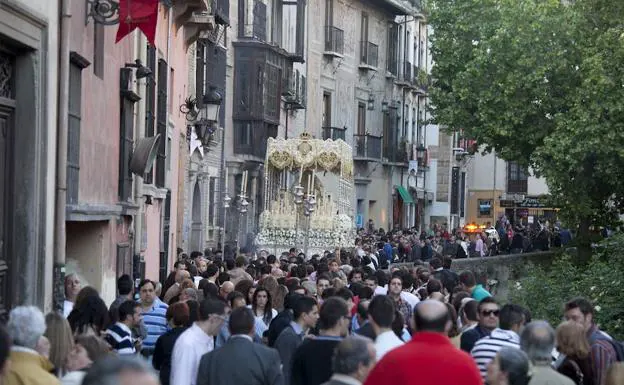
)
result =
(7, 105)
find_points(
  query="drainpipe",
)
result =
(61, 159)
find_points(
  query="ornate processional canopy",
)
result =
(326, 168)
(306, 153)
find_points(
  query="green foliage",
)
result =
(541, 82)
(545, 289)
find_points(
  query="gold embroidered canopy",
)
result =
(306, 153)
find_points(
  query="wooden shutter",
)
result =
(150, 100)
(161, 122)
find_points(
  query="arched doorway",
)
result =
(196, 220)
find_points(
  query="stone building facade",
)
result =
(29, 46)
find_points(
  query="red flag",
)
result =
(141, 14)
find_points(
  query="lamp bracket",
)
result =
(105, 12)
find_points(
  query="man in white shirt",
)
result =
(72, 288)
(195, 342)
(381, 315)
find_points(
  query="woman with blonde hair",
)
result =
(572, 343)
(61, 339)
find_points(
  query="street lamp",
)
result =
(371, 102)
(208, 116)
(211, 104)
(384, 106)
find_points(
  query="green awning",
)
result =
(405, 195)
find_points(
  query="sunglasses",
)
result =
(487, 313)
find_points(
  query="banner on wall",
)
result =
(141, 14)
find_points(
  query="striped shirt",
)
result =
(155, 320)
(486, 348)
(119, 337)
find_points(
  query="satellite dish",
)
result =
(144, 155)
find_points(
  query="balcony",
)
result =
(221, 11)
(369, 56)
(396, 153)
(517, 186)
(184, 10)
(421, 81)
(295, 92)
(334, 41)
(366, 147)
(334, 133)
(405, 78)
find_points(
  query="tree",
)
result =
(539, 81)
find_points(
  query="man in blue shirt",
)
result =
(154, 316)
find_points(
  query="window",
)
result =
(150, 103)
(517, 178)
(393, 40)
(212, 188)
(259, 20)
(272, 90)
(242, 16)
(276, 22)
(243, 132)
(361, 119)
(126, 142)
(73, 135)
(161, 122)
(485, 207)
(327, 112)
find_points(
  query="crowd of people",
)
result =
(341, 318)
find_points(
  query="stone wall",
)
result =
(497, 272)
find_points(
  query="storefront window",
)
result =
(485, 208)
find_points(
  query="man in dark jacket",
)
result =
(305, 313)
(240, 360)
(311, 363)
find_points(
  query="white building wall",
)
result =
(480, 173)
(536, 186)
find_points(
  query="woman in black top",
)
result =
(178, 316)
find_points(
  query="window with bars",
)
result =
(150, 104)
(161, 123)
